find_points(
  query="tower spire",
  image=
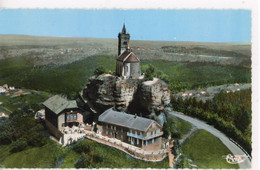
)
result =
(124, 30)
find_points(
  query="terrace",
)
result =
(136, 152)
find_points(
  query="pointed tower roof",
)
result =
(124, 30)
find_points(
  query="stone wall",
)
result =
(53, 130)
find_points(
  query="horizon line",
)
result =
(49, 36)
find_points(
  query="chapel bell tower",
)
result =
(123, 41)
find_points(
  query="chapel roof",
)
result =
(128, 57)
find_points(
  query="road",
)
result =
(230, 145)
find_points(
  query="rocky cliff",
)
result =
(135, 96)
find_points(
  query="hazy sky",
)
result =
(159, 25)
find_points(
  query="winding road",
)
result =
(226, 141)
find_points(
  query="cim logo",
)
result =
(235, 159)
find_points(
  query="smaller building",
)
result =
(60, 114)
(138, 131)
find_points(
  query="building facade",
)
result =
(61, 113)
(138, 131)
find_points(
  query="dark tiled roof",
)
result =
(128, 57)
(126, 120)
(57, 104)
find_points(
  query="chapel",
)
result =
(127, 64)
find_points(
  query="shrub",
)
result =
(149, 73)
(99, 70)
(18, 146)
(5, 137)
(88, 160)
(82, 147)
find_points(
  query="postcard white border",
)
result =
(252, 5)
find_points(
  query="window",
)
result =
(126, 69)
(158, 131)
(149, 142)
(156, 140)
(121, 136)
(122, 130)
(154, 132)
(106, 132)
(149, 134)
(137, 141)
(74, 116)
(112, 127)
(154, 124)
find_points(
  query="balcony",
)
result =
(134, 135)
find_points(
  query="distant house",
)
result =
(60, 113)
(138, 131)
(2, 90)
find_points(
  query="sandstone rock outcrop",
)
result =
(136, 96)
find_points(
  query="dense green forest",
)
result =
(69, 79)
(229, 112)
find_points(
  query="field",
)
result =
(60, 51)
(206, 151)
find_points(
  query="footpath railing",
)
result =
(135, 152)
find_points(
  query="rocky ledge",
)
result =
(135, 96)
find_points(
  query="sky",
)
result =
(156, 25)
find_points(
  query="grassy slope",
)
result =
(38, 157)
(113, 158)
(44, 157)
(206, 150)
(182, 126)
